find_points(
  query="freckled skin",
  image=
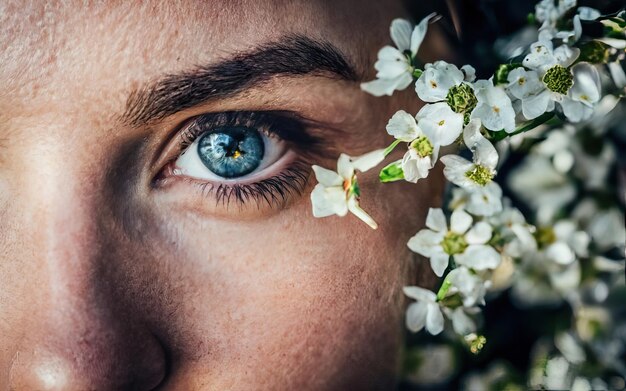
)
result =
(108, 283)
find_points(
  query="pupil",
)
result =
(231, 152)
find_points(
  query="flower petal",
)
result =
(460, 221)
(480, 233)
(415, 167)
(535, 105)
(426, 242)
(403, 126)
(433, 85)
(419, 32)
(353, 206)
(327, 201)
(560, 253)
(439, 263)
(416, 316)
(344, 167)
(485, 153)
(479, 257)
(485, 200)
(400, 30)
(436, 220)
(566, 55)
(327, 177)
(434, 319)
(617, 74)
(391, 63)
(369, 160)
(576, 111)
(469, 72)
(440, 124)
(419, 294)
(380, 87)
(455, 170)
(461, 323)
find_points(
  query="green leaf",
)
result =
(392, 172)
(594, 52)
(502, 73)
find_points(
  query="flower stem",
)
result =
(391, 147)
(542, 119)
(443, 290)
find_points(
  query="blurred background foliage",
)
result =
(478, 32)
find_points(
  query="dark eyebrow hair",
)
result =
(293, 55)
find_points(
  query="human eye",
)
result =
(242, 157)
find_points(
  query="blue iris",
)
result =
(231, 152)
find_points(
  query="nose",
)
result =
(77, 332)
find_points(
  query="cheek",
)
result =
(297, 291)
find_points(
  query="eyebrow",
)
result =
(293, 55)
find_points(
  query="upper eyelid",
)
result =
(287, 125)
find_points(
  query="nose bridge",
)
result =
(62, 218)
(78, 337)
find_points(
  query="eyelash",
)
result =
(274, 191)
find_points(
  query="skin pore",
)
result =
(112, 280)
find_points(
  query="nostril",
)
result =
(153, 371)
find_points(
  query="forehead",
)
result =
(52, 47)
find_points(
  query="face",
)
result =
(155, 219)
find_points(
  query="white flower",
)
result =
(437, 363)
(605, 226)
(551, 11)
(617, 74)
(422, 150)
(461, 322)
(437, 80)
(468, 246)
(469, 72)
(526, 86)
(491, 379)
(517, 234)
(572, 36)
(588, 13)
(570, 347)
(543, 56)
(471, 287)
(338, 192)
(579, 103)
(478, 202)
(424, 312)
(563, 242)
(577, 90)
(440, 123)
(538, 183)
(475, 175)
(445, 84)
(494, 107)
(395, 64)
(402, 126)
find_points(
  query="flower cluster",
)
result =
(553, 104)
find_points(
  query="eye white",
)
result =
(190, 164)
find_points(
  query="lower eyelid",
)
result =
(235, 201)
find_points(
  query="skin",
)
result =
(107, 282)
